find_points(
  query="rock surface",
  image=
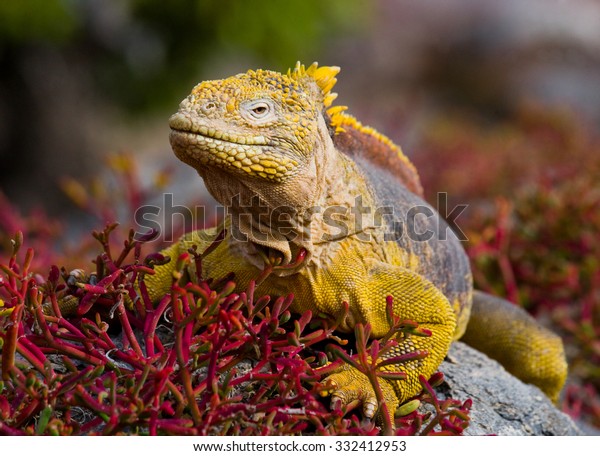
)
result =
(502, 404)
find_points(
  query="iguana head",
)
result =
(260, 124)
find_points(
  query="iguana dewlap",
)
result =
(296, 172)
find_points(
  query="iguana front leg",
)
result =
(416, 299)
(161, 281)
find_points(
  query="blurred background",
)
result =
(80, 78)
(497, 103)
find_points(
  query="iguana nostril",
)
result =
(209, 107)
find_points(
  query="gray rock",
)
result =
(502, 404)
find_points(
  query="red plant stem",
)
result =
(33, 349)
(172, 358)
(89, 427)
(388, 425)
(7, 430)
(42, 321)
(179, 427)
(27, 262)
(186, 379)
(177, 395)
(196, 312)
(193, 314)
(90, 402)
(189, 391)
(35, 357)
(152, 319)
(153, 417)
(145, 296)
(140, 381)
(74, 352)
(129, 246)
(368, 367)
(127, 328)
(10, 341)
(159, 388)
(187, 340)
(432, 424)
(95, 346)
(60, 321)
(29, 411)
(436, 404)
(138, 305)
(75, 379)
(55, 307)
(25, 286)
(111, 425)
(19, 377)
(158, 344)
(217, 344)
(135, 321)
(12, 276)
(107, 342)
(239, 380)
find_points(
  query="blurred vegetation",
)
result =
(134, 47)
(537, 244)
(29, 21)
(73, 71)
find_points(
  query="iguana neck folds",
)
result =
(318, 210)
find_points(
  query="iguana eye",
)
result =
(258, 110)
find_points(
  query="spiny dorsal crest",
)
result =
(351, 136)
(324, 77)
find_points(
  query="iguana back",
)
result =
(359, 141)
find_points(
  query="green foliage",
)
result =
(25, 21)
(192, 32)
(273, 30)
(145, 53)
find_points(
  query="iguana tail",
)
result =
(514, 338)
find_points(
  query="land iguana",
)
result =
(298, 174)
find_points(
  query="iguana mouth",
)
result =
(198, 145)
(183, 124)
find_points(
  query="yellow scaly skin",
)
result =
(273, 136)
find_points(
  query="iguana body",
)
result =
(298, 174)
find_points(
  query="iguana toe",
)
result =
(350, 385)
